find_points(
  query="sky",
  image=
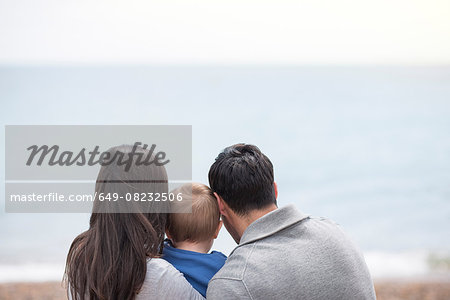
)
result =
(225, 32)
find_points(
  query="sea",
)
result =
(366, 146)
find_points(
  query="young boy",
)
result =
(191, 235)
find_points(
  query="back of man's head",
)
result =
(243, 176)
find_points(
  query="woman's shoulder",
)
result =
(158, 263)
(159, 269)
(163, 281)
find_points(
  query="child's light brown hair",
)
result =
(199, 225)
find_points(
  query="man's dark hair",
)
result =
(243, 176)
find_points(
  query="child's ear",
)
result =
(218, 229)
(168, 235)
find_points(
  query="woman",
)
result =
(118, 256)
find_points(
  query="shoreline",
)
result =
(412, 288)
(386, 289)
(50, 290)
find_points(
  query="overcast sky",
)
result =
(223, 32)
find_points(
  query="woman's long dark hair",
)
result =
(109, 260)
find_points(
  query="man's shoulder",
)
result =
(235, 265)
(228, 282)
(284, 249)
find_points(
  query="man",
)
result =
(281, 253)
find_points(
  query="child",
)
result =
(191, 236)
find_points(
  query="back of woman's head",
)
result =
(109, 260)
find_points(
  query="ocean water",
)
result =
(368, 147)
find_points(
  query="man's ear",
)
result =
(275, 188)
(222, 205)
(218, 229)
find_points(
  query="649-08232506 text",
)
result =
(59, 197)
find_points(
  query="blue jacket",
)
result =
(198, 268)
